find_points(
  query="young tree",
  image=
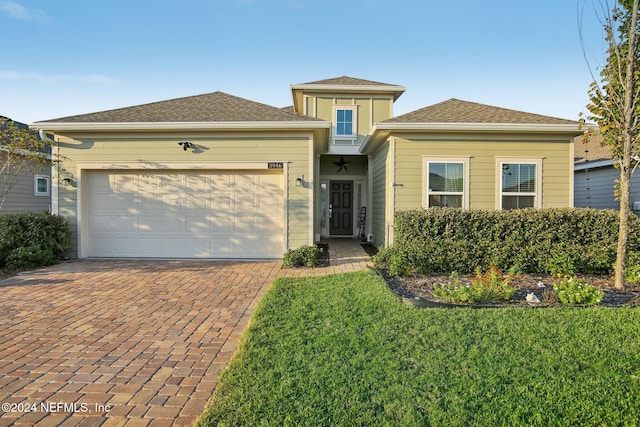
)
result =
(21, 150)
(614, 108)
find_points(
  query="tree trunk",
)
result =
(625, 167)
(623, 233)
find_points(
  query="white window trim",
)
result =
(465, 160)
(537, 203)
(334, 119)
(35, 185)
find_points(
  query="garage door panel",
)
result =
(124, 246)
(101, 202)
(198, 226)
(203, 214)
(101, 246)
(197, 205)
(170, 224)
(221, 225)
(221, 204)
(124, 183)
(149, 224)
(101, 222)
(124, 202)
(124, 224)
(150, 246)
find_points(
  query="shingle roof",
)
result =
(211, 107)
(347, 81)
(457, 111)
(591, 151)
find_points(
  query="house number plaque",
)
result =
(275, 165)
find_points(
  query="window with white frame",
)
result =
(40, 185)
(446, 182)
(520, 184)
(345, 123)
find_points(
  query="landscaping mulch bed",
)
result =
(369, 249)
(419, 289)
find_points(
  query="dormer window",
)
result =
(345, 123)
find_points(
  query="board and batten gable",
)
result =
(369, 110)
(483, 153)
(213, 151)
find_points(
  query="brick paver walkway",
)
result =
(346, 255)
(130, 343)
(135, 343)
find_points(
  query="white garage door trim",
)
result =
(83, 196)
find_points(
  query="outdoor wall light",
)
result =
(299, 181)
(67, 180)
(185, 145)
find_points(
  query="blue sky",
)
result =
(69, 57)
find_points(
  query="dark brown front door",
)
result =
(341, 208)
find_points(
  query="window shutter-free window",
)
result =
(345, 125)
(519, 185)
(344, 122)
(41, 185)
(446, 181)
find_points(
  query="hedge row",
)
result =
(29, 240)
(443, 240)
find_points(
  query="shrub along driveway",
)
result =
(121, 342)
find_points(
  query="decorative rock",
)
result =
(541, 285)
(532, 298)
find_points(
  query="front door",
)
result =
(341, 208)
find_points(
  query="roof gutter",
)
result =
(396, 90)
(593, 164)
(149, 126)
(350, 88)
(573, 129)
(483, 127)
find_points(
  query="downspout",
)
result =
(392, 191)
(55, 166)
(572, 173)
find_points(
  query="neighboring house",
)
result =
(217, 176)
(595, 177)
(31, 192)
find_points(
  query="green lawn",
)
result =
(342, 350)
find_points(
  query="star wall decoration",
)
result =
(342, 165)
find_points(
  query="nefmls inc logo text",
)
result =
(63, 407)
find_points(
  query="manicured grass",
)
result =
(342, 350)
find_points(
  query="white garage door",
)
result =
(185, 214)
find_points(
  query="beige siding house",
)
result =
(216, 176)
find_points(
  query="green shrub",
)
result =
(395, 260)
(30, 257)
(573, 291)
(454, 291)
(561, 261)
(29, 240)
(381, 259)
(492, 285)
(560, 241)
(632, 269)
(306, 256)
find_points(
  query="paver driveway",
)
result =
(121, 342)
